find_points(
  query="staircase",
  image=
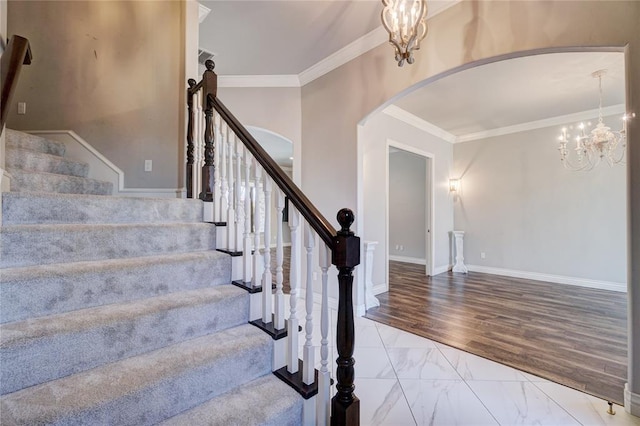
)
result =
(119, 310)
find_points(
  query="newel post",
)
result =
(190, 146)
(210, 89)
(345, 406)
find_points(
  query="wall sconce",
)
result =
(454, 185)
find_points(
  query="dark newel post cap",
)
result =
(346, 246)
(191, 82)
(345, 219)
(209, 64)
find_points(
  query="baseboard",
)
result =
(380, 288)
(558, 279)
(441, 269)
(407, 259)
(631, 401)
(101, 168)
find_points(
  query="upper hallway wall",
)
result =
(112, 71)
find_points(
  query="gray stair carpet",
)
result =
(119, 311)
(38, 164)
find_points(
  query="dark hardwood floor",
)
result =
(571, 335)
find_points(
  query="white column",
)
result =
(279, 302)
(292, 332)
(246, 247)
(267, 294)
(324, 376)
(308, 356)
(231, 211)
(370, 300)
(459, 240)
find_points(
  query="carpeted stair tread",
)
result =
(35, 291)
(64, 344)
(24, 245)
(22, 180)
(17, 139)
(25, 159)
(54, 208)
(148, 388)
(266, 401)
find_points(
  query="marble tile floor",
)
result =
(403, 379)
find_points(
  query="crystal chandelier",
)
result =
(405, 21)
(601, 143)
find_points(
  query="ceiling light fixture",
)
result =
(405, 21)
(601, 143)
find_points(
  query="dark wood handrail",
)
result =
(312, 215)
(18, 53)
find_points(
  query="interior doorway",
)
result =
(409, 205)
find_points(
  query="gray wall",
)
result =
(373, 138)
(112, 72)
(407, 204)
(527, 213)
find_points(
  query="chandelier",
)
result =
(600, 144)
(405, 21)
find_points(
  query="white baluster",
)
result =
(224, 184)
(199, 144)
(216, 172)
(246, 248)
(239, 198)
(267, 293)
(292, 332)
(256, 277)
(308, 356)
(231, 211)
(279, 302)
(324, 377)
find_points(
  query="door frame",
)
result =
(429, 210)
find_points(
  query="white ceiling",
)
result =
(517, 91)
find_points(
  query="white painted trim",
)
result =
(258, 81)
(203, 12)
(380, 288)
(539, 124)
(430, 199)
(406, 259)
(631, 401)
(442, 269)
(351, 51)
(417, 122)
(91, 155)
(558, 279)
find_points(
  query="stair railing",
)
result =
(245, 188)
(17, 53)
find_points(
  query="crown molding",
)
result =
(258, 81)
(539, 124)
(415, 121)
(203, 12)
(351, 51)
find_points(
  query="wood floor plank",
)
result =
(571, 335)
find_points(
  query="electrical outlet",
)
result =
(148, 165)
(22, 108)
(401, 248)
(397, 247)
(482, 255)
(315, 276)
